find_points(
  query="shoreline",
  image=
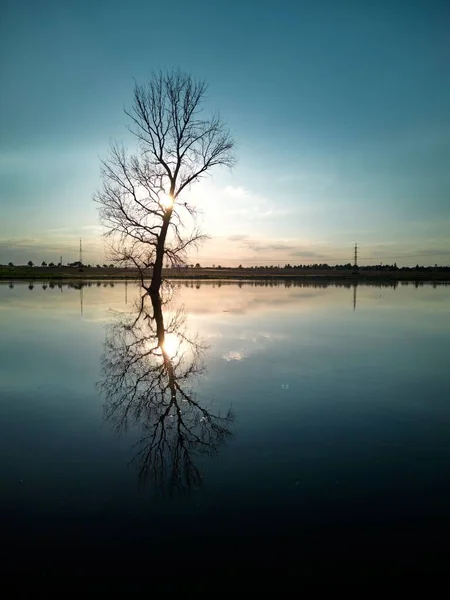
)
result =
(331, 275)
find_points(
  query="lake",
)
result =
(235, 424)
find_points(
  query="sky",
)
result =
(341, 112)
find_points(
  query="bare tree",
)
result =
(141, 200)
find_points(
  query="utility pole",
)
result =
(81, 253)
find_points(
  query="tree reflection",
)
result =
(150, 363)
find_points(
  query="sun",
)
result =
(166, 201)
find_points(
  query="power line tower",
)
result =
(355, 256)
(81, 253)
(355, 260)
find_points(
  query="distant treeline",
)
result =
(379, 267)
(347, 267)
(300, 267)
(52, 265)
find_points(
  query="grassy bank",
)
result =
(74, 273)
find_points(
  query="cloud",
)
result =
(305, 252)
(237, 192)
(93, 228)
(247, 249)
(22, 242)
(275, 212)
(20, 250)
(238, 237)
(85, 231)
(244, 203)
(267, 246)
(258, 210)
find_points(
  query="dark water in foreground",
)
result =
(245, 425)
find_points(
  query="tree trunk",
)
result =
(158, 315)
(157, 269)
(161, 333)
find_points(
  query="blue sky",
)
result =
(341, 111)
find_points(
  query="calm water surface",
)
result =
(314, 416)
